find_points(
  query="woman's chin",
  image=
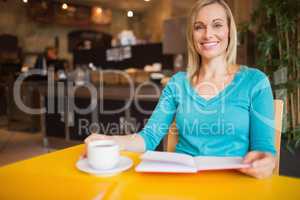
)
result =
(208, 55)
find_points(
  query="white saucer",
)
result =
(124, 164)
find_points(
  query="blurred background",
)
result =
(83, 41)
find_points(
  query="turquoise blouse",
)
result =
(237, 120)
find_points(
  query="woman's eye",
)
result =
(218, 25)
(199, 28)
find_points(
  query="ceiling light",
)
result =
(147, 0)
(25, 1)
(64, 6)
(98, 10)
(129, 13)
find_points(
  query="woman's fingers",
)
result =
(265, 161)
(262, 164)
(252, 156)
(254, 170)
(248, 171)
(95, 136)
(256, 173)
(84, 153)
(262, 171)
(90, 138)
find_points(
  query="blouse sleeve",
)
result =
(162, 116)
(262, 116)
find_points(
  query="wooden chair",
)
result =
(172, 137)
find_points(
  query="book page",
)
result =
(215, 163)
(165, 167)
(169, 157)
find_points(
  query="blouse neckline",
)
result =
(226, 91)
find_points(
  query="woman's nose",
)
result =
(208, 32)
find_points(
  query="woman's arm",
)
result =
(156, 127)
(261, 130)
(132, 142)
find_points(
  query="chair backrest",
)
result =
(278, 104)
(172, 137)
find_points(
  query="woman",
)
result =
(221, 108)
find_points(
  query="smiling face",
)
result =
(211, 32)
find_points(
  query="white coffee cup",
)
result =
(103, 154)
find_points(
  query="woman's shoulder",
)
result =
(256, 79)
(254, 73)
(178, 77)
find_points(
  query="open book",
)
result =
(155, 161)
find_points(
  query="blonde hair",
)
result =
(194, 59)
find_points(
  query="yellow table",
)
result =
(54, 176)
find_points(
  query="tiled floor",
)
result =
(15, 146)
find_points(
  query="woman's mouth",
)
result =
(209, 45)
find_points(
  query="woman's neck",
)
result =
(213, 68)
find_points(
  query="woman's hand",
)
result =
(132, 142)
(262, 164)
(94, 137)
